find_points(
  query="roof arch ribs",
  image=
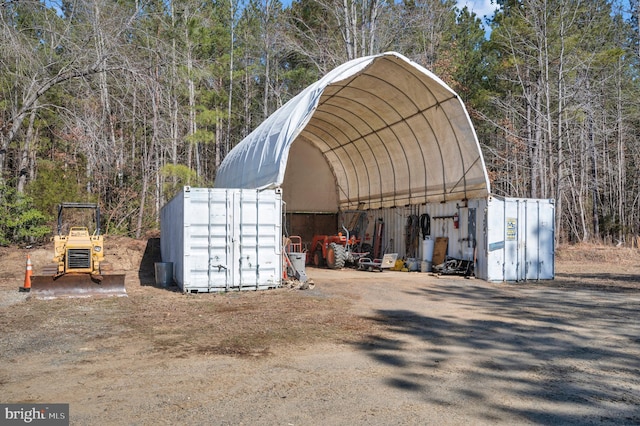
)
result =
(365, 139)
(392, 133)
(340, 119)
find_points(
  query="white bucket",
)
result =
(413, 265)
(427, 249)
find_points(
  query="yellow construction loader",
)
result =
(78, 268)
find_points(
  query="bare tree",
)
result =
(47, 56)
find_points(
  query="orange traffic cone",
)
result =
(27, 275)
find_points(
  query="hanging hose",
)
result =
(425, 225)
(411, 236)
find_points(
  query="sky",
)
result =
(481, 8)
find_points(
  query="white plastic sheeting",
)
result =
(391, 132)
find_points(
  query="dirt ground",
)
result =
(359, 348)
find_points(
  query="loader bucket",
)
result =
(76, 285)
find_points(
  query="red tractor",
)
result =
(335, 251)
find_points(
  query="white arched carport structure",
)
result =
(379, 131)
(380, 134)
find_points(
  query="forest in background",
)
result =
(122, 102)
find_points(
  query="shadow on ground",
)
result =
(598, 281)
(151, 255)
(565, 357)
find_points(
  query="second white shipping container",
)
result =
(223, 239)
(519, 239)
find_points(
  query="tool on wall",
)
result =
(411, 236)
(425, 225)
(377, 238)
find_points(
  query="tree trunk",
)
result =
(621, 161)
(25, 154)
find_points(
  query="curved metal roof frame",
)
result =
(392, 132)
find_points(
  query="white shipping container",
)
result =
(223, 239)
(519, 238)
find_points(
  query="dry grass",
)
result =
(175, 325)
(598, 267)
(585, 252)
(245, 324)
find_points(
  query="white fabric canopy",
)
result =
(391, 132)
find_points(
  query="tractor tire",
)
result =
(317, 259)
(336, 256)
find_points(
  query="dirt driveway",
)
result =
(360, 348)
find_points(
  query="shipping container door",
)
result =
(505, 235)
(547, 240)
(520, 239)
(257, 232)
(233, 240)
(206, 254)
(220, 256)
(494, 239)
(540, 240)
(513, 235)
(532, 243)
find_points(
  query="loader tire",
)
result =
(336, 256)
(318, 261)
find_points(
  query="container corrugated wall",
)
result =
(223, 239)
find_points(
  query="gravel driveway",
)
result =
(361, 348)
